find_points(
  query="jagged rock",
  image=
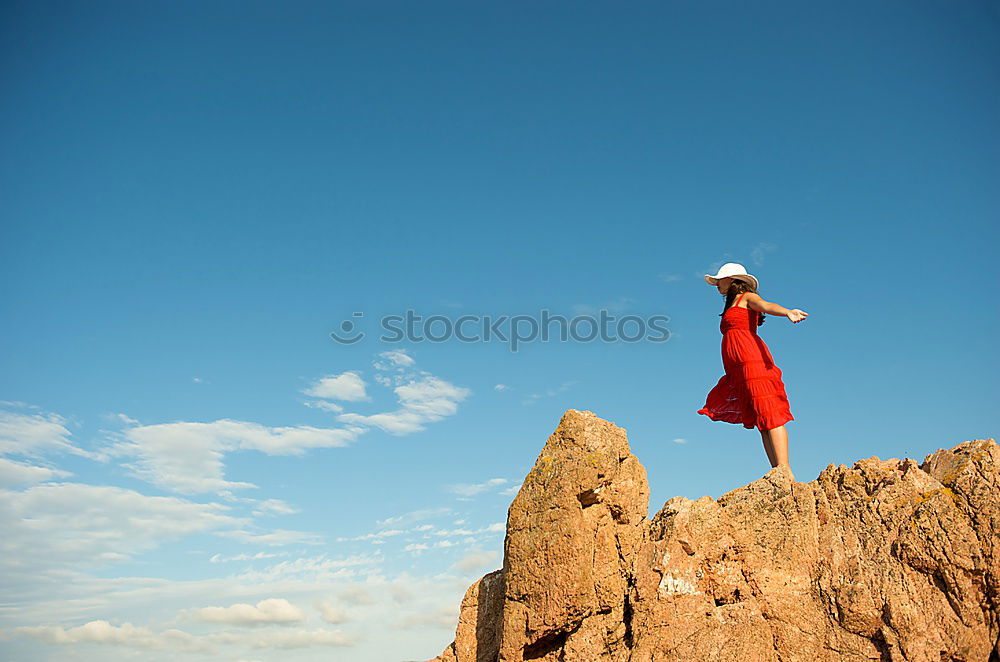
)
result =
(478, 632)
(885, 560)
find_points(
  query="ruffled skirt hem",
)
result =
(761, 423)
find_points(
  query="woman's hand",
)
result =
(796, 315)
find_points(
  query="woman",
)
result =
(751, 392)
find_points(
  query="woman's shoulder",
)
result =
(750, 296)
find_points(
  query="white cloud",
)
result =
(332, 614)
(34, 434)
(345, 386)
(219, 558)
(374, 604)
(759, 252)
(55, 533)
(269, 611)
(18, 473)
(401, 593)
(492, 528)
(377, 536)
(472, 489)
(325, 405)
(548, 393)
(124, 635)
(274, 507)
(300, 639)
(127, 635)
(311, 569)
(512, 490)
(414, 516)
(274, 538)
(501, 387)
(357, 595)
(186, 457)
(680, 441)
(454, 532)
(57, 525)
(394, 358)
(476, 560)
(424, 399)
(443, 616)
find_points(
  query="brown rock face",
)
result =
(886, 560)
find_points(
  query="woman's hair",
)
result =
(734, 290)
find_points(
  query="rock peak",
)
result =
(888, 559)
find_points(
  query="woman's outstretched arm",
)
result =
(757, 303)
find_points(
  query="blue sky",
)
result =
(197, 194)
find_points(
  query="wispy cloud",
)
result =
(357, 595)
(310, 569)
(55, 526)
(219, 558)
(423, 397)
(275, 538)
(325, 405)
(496, 527)
(414, 516)
(19, 473)
(189, 457)
(35, 434)
(442, 616)
(376, 537)
(472, 489)
(394, 359)
(512, 490)
(55, 533)
(269, 611)
(548, 393)
(345, 386)
(760, 251)
(476, 560)
(333, 614)
(127, 635)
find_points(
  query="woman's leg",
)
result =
(779, 442)
(765, 436)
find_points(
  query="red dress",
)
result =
(751, 392)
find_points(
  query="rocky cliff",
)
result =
(884, 560)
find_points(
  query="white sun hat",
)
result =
(731, 270)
